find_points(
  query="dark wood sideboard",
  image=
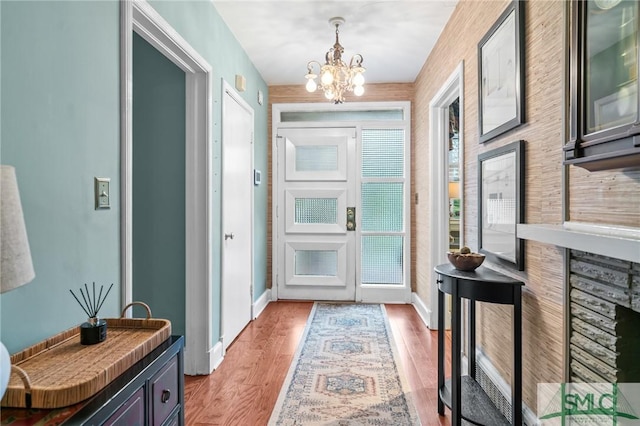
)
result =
(151, 392)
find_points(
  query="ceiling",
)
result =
(395, 37)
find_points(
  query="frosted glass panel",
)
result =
(377, 115)
(382, 207)
(382, 259)
(316, 262)
(382, 153)
(316, 158)
(316, 210)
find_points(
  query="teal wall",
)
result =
(203, 28)
(60, 128)
(158, 184)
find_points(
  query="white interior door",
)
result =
(237, 215)
(316, 185)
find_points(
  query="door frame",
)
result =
(227, 90)
(137, 15)
(383, 292)
(438, 176)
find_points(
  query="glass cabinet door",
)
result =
(611, 64)
(605, 124)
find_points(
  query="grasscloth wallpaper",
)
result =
(543, 134)
(600, 197)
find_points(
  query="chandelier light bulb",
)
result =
(311, 85)
(358, 80)
(358, 90)
(327, 77)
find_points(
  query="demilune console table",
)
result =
(462, 394)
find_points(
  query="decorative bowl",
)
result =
(465, 262)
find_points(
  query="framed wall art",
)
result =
(501, 204)
(501, 74)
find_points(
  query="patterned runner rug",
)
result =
(345, 372)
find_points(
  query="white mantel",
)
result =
(612, 241)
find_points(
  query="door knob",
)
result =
(351, 218)
(228, 236)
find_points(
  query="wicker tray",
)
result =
(59, 371)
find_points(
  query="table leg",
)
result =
(516, 382)
(441, 348)
(456, 383)
(472, 338)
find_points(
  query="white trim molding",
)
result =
(421, 308)
(261, 304)
(613, 241)
(438, 160)
(216, 355)
(138, 16)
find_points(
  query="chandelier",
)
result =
(336, 77)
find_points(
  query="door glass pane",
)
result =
(382, 259)
(316, 158)
(377, 115)
(382, 153)
(382, 206)
(316, 210)
(316, 262)
(611, 64)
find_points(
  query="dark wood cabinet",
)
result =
(604, 99)
(151, 392)
(129, 413)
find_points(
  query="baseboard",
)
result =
(421, 308)
(483, 362)
(259, 305)
(216, 356)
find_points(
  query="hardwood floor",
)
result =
(244, 389)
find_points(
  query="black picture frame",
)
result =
(501, 74)
(501, 204)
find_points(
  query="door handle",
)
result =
(228, 236)
(351, 218)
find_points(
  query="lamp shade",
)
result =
(454, 189)
(16, 268)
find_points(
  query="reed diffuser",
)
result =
(94, 330)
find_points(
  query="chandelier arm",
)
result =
(356, 60)
(310, 67)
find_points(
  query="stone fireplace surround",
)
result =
(603, 298)
(604, 313)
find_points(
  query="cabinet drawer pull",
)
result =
(166, 395)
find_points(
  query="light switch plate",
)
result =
(103, 197)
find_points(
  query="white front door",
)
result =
(237, 215)
(316, 184)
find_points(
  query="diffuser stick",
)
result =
(94, 300)
(79, 303)
(88, 298)
(105, 297)
(99, 296)
(85, 300)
